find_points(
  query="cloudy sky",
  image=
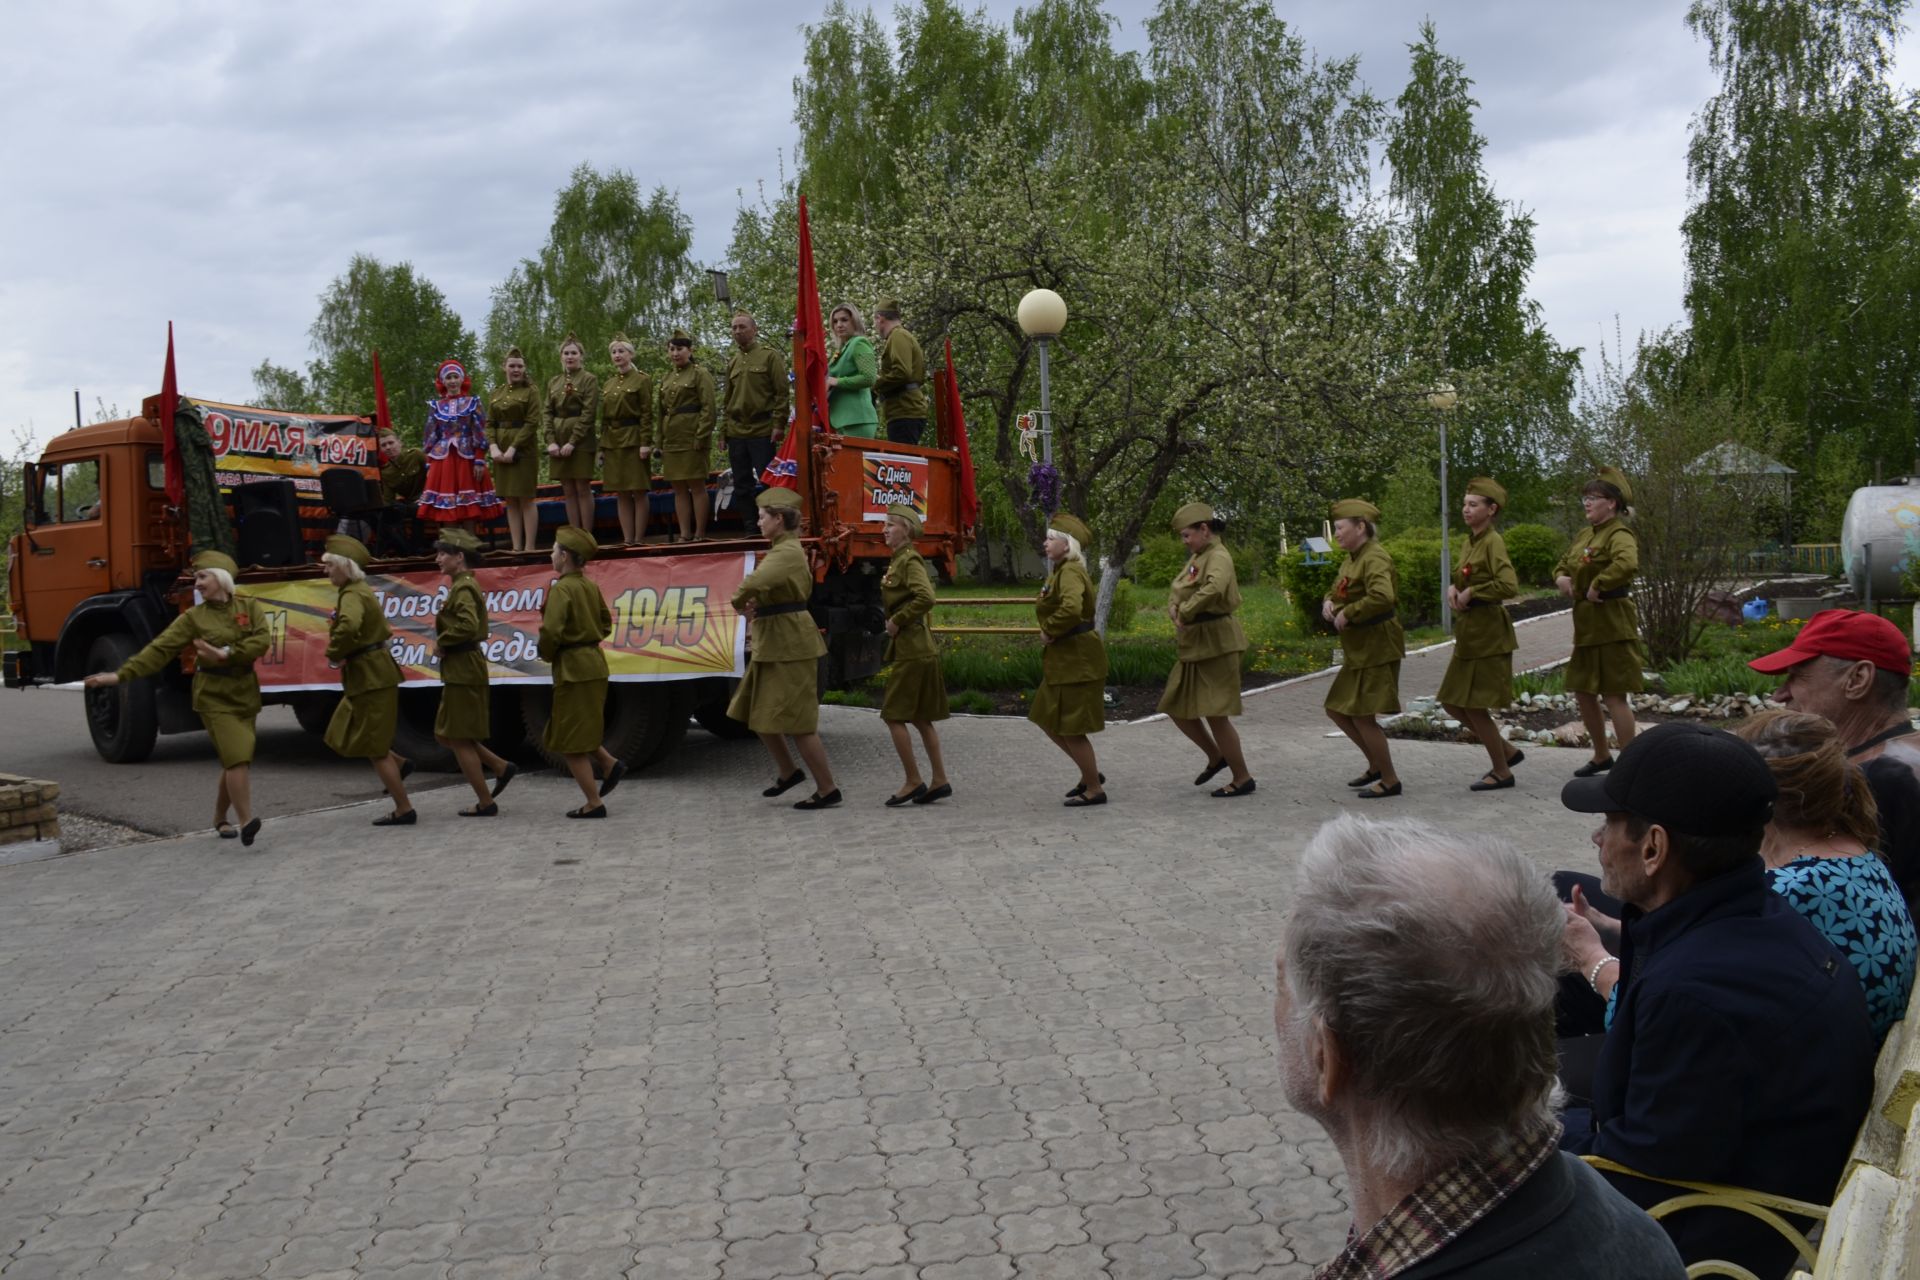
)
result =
(216, 164)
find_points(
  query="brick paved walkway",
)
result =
(710, 1037)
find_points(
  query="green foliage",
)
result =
(1535, 550)
(1159, 559)
(1535, 683)
(1411, 498)
(1416, 566)
(1307, 585)
(1713, 678)
(970, 702)
(847, 698)
(1125, 609)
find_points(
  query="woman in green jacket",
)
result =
(1480, 672)
(1361, 609)
(626, 439)
(916, 692)
(573, 622)
(227, 635)
(1597, 574)
(513, 449)
(363, 724)
(1071, 703)
(1203, 689)
(573, 409)
(780, 694)
(850, 407)
(460, 629)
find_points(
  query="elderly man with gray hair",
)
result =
(1414, 1014)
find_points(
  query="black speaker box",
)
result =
(266, 515)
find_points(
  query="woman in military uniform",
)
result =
(572, 408)
(228, 636)
(1597, 574)
(626, 439)
(1203, 689)
(513, 447)
(1071, 702)
(1480, 672)
(573, 622)
(686, 435)
(916, 692)
(780, 694)
(1361, 609)
(460, 628)
(369, 711)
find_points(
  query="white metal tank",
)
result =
(1880, 537)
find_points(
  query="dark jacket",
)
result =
(1740, 1052)
(1564, 1222)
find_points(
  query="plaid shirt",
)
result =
(1440, 1210)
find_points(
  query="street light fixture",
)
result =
(1442, 399)
(1042, 315)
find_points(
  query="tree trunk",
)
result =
(1110, 572)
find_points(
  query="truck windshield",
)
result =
(69, 491)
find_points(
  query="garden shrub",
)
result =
(1535, 550)
(1307, 585)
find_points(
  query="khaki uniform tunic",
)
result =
(573, 622)
(1480, 672)
(1071, 699)
(757, 390)
(626, 427)
(363, 724)
(513, 422)
(903, 365)
(781, 691)
(570, 418)
(686, 423)
(1369, 679)
(464, 695)
(226, 696)
(403, 479)
(916, 689)
(1606, 636)
(1206, 596)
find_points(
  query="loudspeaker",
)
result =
(266, 514)
(348, 492)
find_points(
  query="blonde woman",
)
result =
(916, 692)
(626, 439)
(1070, 705)
(572, 408)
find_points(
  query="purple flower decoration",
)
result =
(1043, 487)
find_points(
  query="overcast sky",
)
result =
(217, 164)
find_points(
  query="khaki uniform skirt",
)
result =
(363, 724)
(465, 714)
(623, 470)
(915, 691)
(519, 478)
(779, 697)
(1209, 687)
(232, 737)
(685, 464)
(1070, 710)
(1366, 691)
(1606, 668)
(576, 466)
(1478, 683)
(578, 724)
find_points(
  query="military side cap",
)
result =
(513, 353)
(348, 548)
(1191, 514)
(620, 340)
(1354, 509)
(569, 341)
(907, 514)
(1491, 490)
(1061, 522)
(215, 560)
(1618, 479)
(778, 499)
(888, 306)
(458, 540)
(576, 540)
(680, 338)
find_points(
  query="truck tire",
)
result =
(641, 725)
(508, 725)
(123, 720)
(711, 709)
(314, 710)
(413, 734)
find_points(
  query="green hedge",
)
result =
(1535, 550)
(1416, 563)
(1307, 585)
(1162, 556)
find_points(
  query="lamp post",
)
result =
(1441, 399)
(1042, 315)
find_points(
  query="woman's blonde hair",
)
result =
(853, 314)
(354, 572)
(1073, 545)
(221, 579)
(1820, 789)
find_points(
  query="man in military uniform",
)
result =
(403, 476)
(757, 395)
(902, 373)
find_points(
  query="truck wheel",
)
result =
(508, 723)
(314, 711)
(711, 710)
(413, 735)
(122, 720)
(640, 720)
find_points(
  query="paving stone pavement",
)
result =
(707, 1038)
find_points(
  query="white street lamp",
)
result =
(1441, 399)
(1042, 315)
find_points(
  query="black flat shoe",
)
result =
(1080, 788)
(1083, 801)
(786, 784)
(1491, 783)
(1518, 757)
(487, 810)
(1592, 767)
(598, 811)
(1206, 774)
(500, 783)
(1378, 792)
(1232, 792)
(1366, 779)
(818, 801)
(226, 830)
(940, 792)
(248, 832)
(612, 779)
(913, 796)
(406, 819)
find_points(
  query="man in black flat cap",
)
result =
(1737, 1046)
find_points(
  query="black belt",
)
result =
(625, 422)
(1199, 618)
(1374, 621)
(774, 610)
(1078, 629)
(362, 650)
(584, 644)
(911, 386)
(758, 417)
(225, 671)
(1618, 593)
(449, 650)
(1475, 604)
(675, 413)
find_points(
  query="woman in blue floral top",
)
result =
(1819, 855)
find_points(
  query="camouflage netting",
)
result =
(206, 513)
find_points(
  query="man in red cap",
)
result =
(1854, 669)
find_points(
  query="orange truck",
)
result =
(97, 571)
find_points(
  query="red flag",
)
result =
(809, 374)
(175, 470)
(382, 419)
(953, 424)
